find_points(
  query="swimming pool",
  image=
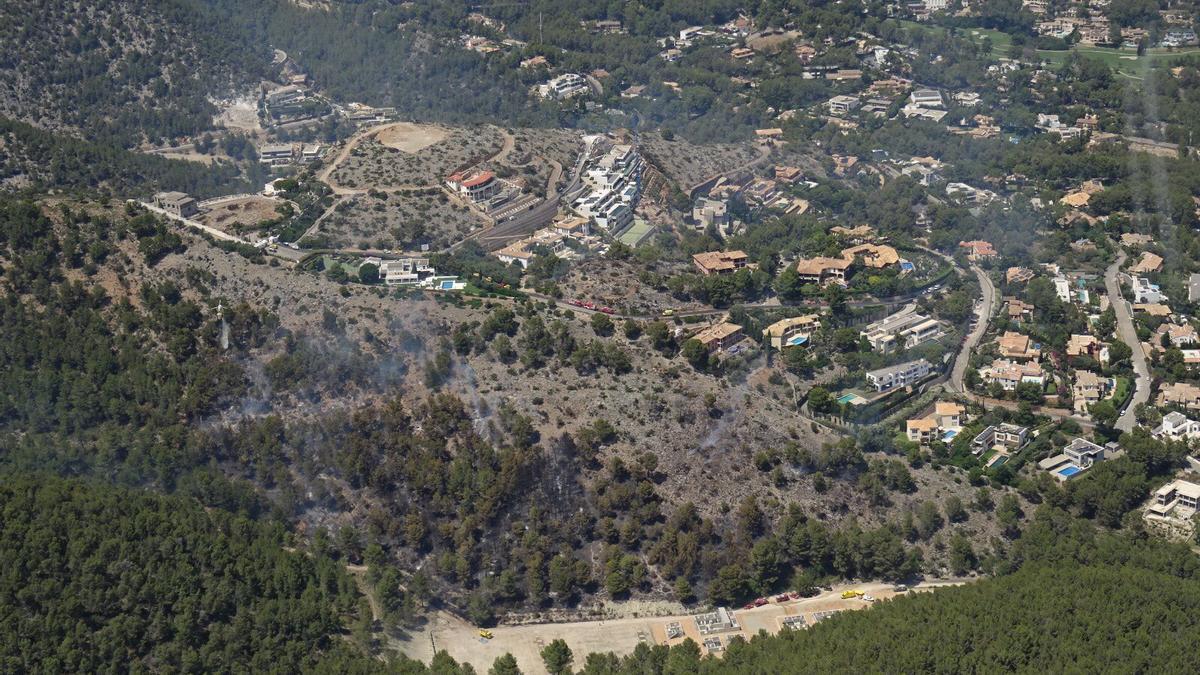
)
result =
(797, 340)
(447, 285)
(1069, 471)
(847, 398)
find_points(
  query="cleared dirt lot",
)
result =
(240, 215)
(411, 138)
(621, 636)
(241, 113)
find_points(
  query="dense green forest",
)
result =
(102, 579)
(1079, 600)
(122, 71)
(34, 160)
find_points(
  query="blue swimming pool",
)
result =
(798, 340)
(949, 435)
(1069, 471)
(447, 285)
(846, 398)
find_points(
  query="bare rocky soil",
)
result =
(399, 220)
(617, 284)
(688, 164)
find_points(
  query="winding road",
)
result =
(1128, 335)
(983, 314)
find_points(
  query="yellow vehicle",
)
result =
(668, 312)
(486, 634)
(846, 595)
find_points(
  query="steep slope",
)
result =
(120, 70)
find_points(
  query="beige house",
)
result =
(791, 332)
(946, 416)
(1086, 345)
(978, 250)
(858, 234)
(1018, 275)
(1153, 309)
(1017, 347)
(1009, 374)
(822, 270)
(720, 336)
(720, 262)
(872, 255)
(1089, 389)
(1180, 394)
(177, 204)
(1176, 334)
(1147, 264)
(1018, 310)
(1134, 240)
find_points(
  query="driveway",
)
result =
(1128, 335)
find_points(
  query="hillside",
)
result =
(98, 578)
(120, 71)
(33, 159)
(1081, 602)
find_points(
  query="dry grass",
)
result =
(399, 221)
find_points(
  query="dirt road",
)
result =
(622, 635)
(326, 172)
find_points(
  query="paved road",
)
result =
(983, 314)
(219, 234)
(1128, 335)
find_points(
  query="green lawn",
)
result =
(636, 233)
(1122, 60)
(1121, 391)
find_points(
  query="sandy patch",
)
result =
(189, 156)
(240, 114)
(410, 138)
